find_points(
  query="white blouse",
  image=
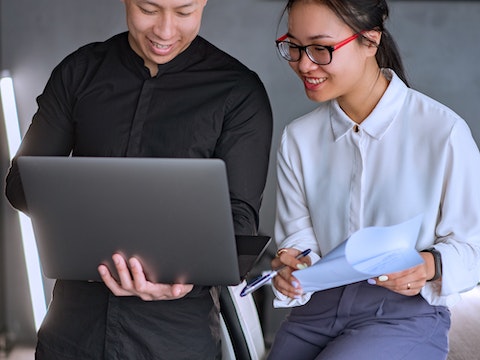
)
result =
(410, 156)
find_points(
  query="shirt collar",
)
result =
(382, 116)
(183, 60)
(177, 64)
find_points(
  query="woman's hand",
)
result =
(132, 282)
(411, 281)
(285, 282)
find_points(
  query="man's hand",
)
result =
(132, 282)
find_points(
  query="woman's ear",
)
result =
(372, 38)
(371, 41)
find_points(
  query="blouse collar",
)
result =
(378, 122)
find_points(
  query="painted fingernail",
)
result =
(372, 281)
(295, 284)
(302, 266)
(383, 278)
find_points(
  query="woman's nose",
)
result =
(305, 64)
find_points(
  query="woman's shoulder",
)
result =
(432, 114)
(420, 106)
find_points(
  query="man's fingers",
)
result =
(110, 282)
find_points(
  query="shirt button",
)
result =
(356, 129)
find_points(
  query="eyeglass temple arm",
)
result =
(339, 45)
(346, 41)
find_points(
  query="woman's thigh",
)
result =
(417, 338)
(361, 321)
(308, 328)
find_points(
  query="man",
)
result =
(158, 90)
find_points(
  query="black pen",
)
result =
(262, 280)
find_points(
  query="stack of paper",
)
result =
(367, 253)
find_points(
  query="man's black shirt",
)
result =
(102, 101)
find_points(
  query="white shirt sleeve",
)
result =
(458, 228)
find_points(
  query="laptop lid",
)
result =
(173, 214)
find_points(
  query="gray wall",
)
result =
(438, 40)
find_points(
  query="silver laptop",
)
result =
(173, 214)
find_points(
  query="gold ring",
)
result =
(281, 251)
(409, 286)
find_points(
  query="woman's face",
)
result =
(312, 23)
(159, 30)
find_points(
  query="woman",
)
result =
(374, 153)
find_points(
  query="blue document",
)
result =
(367, 253)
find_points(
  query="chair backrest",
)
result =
(228, 353)
(242, 335)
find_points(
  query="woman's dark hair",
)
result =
(362, 15)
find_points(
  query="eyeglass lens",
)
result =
(318, 54)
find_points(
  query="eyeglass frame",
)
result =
(329, 48)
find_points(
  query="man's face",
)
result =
(159, 30)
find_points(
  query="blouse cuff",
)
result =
(283, 301)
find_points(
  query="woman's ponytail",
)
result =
(388, 56)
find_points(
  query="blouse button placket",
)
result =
(356, 196)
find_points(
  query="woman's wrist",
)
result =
(433, 261)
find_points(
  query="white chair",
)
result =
(242, 335)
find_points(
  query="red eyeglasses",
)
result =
(319, 54)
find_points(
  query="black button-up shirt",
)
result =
(102, 101)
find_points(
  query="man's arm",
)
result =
(244, 145)
(50, 133)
